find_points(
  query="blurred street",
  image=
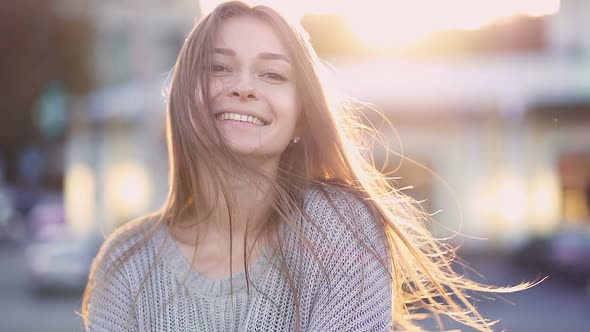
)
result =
(24, 311)
(553, 305)
(550, 307)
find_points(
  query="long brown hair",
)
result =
(331, 150)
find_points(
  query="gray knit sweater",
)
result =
(355, 297)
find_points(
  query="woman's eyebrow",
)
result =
(274, 56)
(224, 51)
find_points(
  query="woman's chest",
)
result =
(170, 302)
(215, 263)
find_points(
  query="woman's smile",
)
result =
(238, 117)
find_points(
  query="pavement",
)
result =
(25, 311)
(553, 306)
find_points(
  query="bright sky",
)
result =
(398, 23)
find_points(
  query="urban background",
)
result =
(489, 102)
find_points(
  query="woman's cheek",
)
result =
(215, 88)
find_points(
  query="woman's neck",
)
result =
(250, 212)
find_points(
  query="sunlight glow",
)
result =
(510, 199)
(129, 189)
(502, 199)
(545, 201)
(80, 196)
(397, 23)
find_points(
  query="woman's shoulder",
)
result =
(339, 211)
(126, 240)
(334, 197)
(115, 275)
(343, 223)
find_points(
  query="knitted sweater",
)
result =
(356, 296)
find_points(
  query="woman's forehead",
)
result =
(246, 35)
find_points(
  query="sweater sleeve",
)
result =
(110, 298)
(359, 295)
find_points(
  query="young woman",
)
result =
(275, 220)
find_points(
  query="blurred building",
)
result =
(116, 153)
(505, 137)
(504, 131)
(501, 117)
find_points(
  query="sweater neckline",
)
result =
(212, 287)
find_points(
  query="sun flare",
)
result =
(397, 23)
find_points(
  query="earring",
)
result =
(295, 139)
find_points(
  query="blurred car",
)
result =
(569, 253)
(48, 210)
(60, 261)
(564, 254)
(12, 224)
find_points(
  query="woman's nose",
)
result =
(244, 94)
(243, 89)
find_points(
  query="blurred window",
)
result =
(575, 175)
(119, 58)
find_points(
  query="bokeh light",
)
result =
(80, 197)
(128, 189)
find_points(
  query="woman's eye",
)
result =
(274, 76)
(219, 68)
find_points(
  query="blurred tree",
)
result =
(75, 53)
(39, 45)
(513, 34)
(27, 61)
(332, 35)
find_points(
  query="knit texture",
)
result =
(356, 296)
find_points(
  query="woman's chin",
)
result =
(252, 151)
(243, 149)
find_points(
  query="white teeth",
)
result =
(241, 117)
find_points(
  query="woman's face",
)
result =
(252, 88)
